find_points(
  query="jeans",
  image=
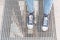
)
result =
(30, 6)
(47, 4)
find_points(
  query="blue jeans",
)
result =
(47, 4)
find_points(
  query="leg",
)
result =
(47, 8)
(30, 9)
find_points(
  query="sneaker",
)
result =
(30, 21)
(45, 24)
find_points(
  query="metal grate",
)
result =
(38, 33)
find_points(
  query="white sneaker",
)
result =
(30, 22)
(45, 24)
(44, 28)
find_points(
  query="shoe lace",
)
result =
(45, 21)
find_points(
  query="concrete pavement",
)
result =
(43, 35)
(2, 2)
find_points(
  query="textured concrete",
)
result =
(1, 15)
(9, 5)
(57, 17)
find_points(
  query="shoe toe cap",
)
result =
(44, 28)
(30, 26)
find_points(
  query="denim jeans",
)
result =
(47, 4)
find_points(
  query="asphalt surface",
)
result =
(38, 33)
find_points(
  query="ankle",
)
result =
(45, 15)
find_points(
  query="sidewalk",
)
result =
(57, 17)
(1, 14)
(56, 13)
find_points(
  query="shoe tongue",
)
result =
(45, 21)
(30, 19)
(45, 18)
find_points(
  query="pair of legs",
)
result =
(47, 4)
